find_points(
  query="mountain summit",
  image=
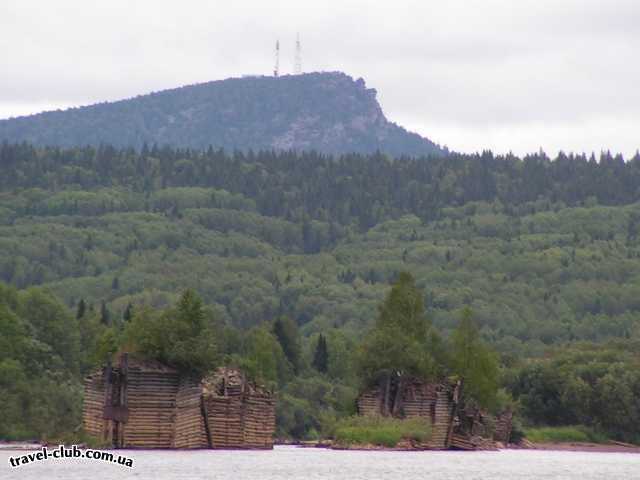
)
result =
(327, 112)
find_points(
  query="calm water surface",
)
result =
(292, 463)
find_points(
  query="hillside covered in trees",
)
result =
(327, 112)
(292, 255)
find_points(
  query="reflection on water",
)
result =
(307, 463)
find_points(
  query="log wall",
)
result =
(239, 414)
(370, 402)
(503, 426)
(442, 420)
(259, 421)
(433, 401)
(189, 425)
(224, 415)
(419, 400)
(151, 401)
(92, 413)
(144, 404)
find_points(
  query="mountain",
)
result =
(327, 112)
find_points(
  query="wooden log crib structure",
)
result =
(453, 425)
(145, 404)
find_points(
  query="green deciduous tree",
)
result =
(474, 362)
(399, 344)
(52, 325)
(181, 336)
(264, 358)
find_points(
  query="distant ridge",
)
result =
(326, 112)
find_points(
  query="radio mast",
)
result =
(276, 68)
(297, 62)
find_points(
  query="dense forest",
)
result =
(294, 256)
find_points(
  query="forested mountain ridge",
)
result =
(327, 112)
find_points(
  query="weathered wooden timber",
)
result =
(92, 413)
(189, 430)
(240, 413)
(443, 415)
(473, 428)
(460, 441)
(151, 390)
(370, 402)
(145, 404)
(452, 426)
(436, 402)
(503, 427)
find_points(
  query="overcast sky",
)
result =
(509, 75)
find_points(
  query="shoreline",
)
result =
(584, 447)
(25, 446)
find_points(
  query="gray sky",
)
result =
(502, 74)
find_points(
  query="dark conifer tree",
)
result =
(321, 355)
(286, 331)
(128, 313)
(105, 315)
(82, 308)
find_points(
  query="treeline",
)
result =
(265, 235)
(360, 190)
(596, 386)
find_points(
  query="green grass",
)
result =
(575, 433)
(381, 431)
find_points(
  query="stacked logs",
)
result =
(189, 426)
(224, 415)
(461, 441)
(239, 413)
(370, 402)
(259, 421)
(419, 400)
(451, 425)
(92, 413)
(222, 400)
(503, 427)
(433, 401)
(473, 429)
(436, 402)
(145, 404)
(442, 419)
(152, 389)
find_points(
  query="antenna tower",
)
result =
(297, 63)
(276, 69)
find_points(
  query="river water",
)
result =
(291, 463)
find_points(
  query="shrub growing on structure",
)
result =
(181, 336)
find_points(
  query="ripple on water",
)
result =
(292, 463)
